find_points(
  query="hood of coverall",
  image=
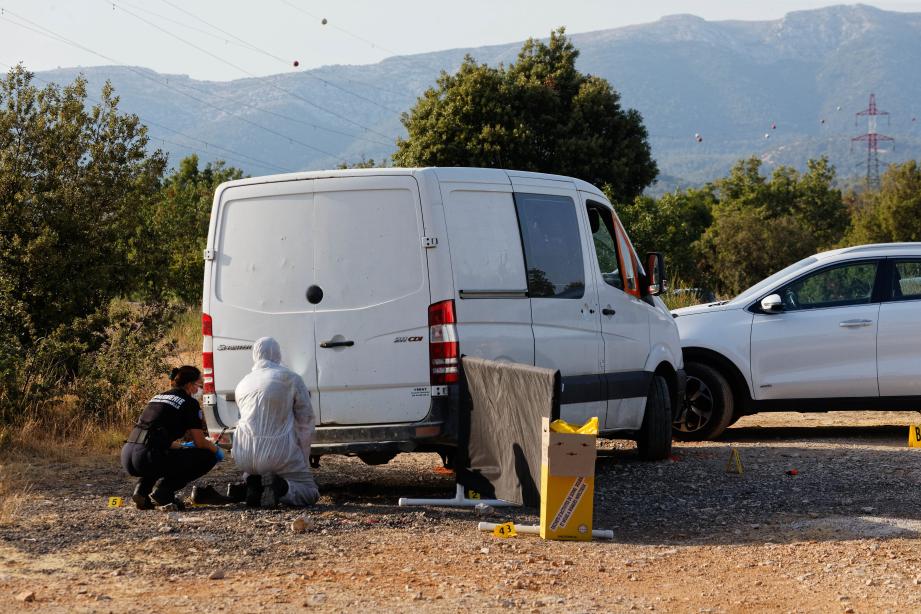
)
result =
(266, 353)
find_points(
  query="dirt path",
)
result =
(844, 534)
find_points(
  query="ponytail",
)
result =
(186, 374)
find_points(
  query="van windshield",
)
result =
(766, 283)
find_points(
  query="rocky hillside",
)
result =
(785, 90)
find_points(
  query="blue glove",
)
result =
(187, 444)
(219, 453)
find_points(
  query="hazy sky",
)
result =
(279, 32)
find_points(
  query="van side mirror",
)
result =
(772, 304)
(656, 283)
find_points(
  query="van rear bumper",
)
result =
(436, 431)
(406, 437)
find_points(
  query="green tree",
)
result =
(743, 246)
(893, 213)
(819, 206)
(538, 114)
(760, 225)
(72, 180)
(811, 197)
(369, 163)
(672, 225)
(175, 225)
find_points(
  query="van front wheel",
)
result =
(654, 440)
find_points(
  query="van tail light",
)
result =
(444, 354)
(207, 354)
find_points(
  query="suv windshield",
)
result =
(769, 281)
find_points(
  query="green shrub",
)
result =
(99, 370)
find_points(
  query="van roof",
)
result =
(443, 173)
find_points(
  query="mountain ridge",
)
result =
(772, 89)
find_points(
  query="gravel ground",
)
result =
(842, 535)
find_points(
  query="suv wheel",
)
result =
(654, 440)
(707, 408)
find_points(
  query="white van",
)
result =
(376, 281)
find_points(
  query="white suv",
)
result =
(839, 330)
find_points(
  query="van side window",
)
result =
(602, 224)
(552, 245)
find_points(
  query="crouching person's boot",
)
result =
(236, 491)
(253, 491)
(207, 495)
(276, 489)
(141, 495)
(166, 500)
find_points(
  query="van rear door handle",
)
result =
(854, 323)
(337, 344)
(608, 311)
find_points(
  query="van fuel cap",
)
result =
(314, 295)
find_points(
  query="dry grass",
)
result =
(14, 492)
(187, 333)
(57, 430)
(679, 296)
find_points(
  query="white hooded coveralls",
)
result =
(276, 424)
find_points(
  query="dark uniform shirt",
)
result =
(168, 416)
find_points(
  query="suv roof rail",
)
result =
(876, 246)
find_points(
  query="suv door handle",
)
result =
(854, 323)
(608, 311)
(337, 344)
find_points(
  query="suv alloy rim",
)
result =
(697, 408)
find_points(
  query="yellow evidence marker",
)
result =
(505, 530)
(734, 465)
(116, 502)
(914, 436)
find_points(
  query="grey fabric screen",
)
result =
(500, 428)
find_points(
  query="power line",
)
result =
(240, 157)
(343, 30)
(244, 71)
(50, 34)
(188, 26)
(275, 57)
(244, 44)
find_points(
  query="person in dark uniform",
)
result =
(152, 451)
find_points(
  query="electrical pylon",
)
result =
(872, 139)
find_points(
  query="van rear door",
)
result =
(372, 323)
(262, 269)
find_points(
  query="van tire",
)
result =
(654, 440)
(708, 387)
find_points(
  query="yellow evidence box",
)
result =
(567, 480)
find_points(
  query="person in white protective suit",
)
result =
(276, 427)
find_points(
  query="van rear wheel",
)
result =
(654, 440)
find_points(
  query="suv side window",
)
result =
(602, 224)
(906, 280)
(552, 245)
(850, 284)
